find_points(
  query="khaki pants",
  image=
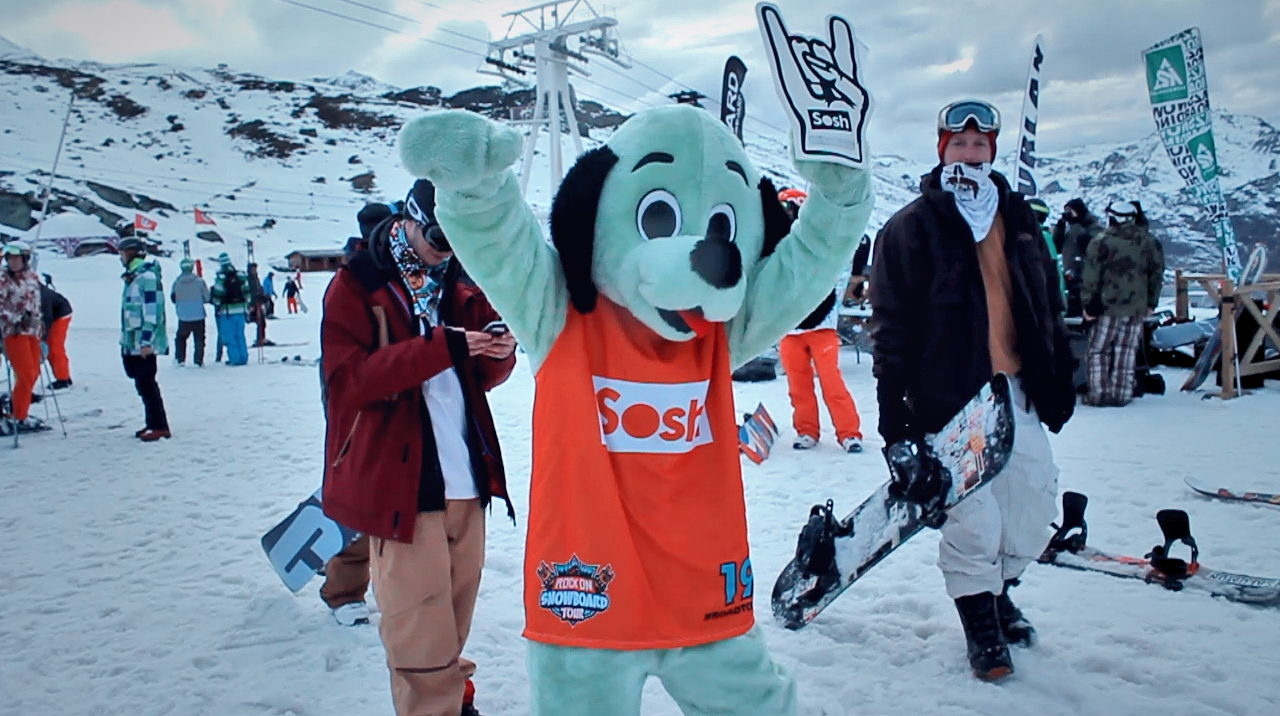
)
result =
(346, 576)
(427, 594)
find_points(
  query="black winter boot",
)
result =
(1017, 630)
(988, 652)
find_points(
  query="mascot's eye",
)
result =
(723, 225)
(659, 215)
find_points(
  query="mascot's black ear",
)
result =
(573, 223)
(777, 222)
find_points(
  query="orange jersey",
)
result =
(637, 522)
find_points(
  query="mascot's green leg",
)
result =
(735, 676)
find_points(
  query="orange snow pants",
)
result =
(801, 353)
(25, 357)
(58, 349)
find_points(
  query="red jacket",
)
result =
(381, 467)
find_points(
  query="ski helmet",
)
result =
(1039, 208)
(17, 248)
(958, 116)
(132, 243)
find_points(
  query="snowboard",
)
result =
(1227, 494)
(973, 448)
(1213, 349)
(1068, 548)
(757, 434)
(304, 542)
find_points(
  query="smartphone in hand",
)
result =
(496, 328)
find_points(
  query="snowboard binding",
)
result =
(1073, 535)
(1176, 526)
(816, 549)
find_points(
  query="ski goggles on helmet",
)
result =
(1039, 208)
(957, 115)
(16, 248)
(1123, 210)
(431, 231)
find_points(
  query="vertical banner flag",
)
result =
(1026, 160)
(1180, 105)
(142, 223)
(203, 218)
(733, 104)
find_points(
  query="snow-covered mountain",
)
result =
(288, 163)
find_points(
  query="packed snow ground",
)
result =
(134, 582)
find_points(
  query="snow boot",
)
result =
(853, 445)
(61, 384)
(32, 425)
(351, 614)
(804, 442)
(468, 700)
(150, 436)
(1017, 630)
(988, 653)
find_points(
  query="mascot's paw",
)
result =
(840, 185)
(457, 149)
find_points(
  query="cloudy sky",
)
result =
(920, 54)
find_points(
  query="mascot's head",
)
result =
(666, 220)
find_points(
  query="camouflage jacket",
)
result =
(19, 303)
(1123, 272)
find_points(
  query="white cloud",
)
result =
(921, 53)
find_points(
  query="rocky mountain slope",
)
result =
(289, 162)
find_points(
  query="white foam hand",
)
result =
(818, 82)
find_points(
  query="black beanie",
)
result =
(420, 204)
(370, 216)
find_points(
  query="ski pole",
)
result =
(47, 374)
(13, 420)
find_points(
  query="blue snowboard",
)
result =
(304, 542)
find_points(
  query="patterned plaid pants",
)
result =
(1113, 353)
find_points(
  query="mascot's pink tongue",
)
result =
(697, 322)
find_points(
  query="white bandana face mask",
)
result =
(976, 195)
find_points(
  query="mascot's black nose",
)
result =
(717, 259)
(719, 263)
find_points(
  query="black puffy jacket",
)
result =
(929, 314)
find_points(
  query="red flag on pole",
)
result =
(203, 218)
(142, 223)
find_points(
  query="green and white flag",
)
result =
(1180, 104)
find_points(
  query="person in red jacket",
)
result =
(411, 453)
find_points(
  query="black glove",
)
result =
(917, 476)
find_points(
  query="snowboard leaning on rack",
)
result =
(1068, 549)
(831, 555)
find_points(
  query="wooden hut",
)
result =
(316, 259)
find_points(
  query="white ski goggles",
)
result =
(957, 115)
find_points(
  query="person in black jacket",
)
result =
(55, 309)
(962, 287)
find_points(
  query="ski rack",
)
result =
(1232, 302)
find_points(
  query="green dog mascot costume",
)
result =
(671, 262)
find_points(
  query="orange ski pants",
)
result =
(25, 357)
(801, 353)
(58, 349)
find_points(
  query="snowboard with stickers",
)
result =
(831, 555)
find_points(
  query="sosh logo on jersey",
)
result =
(1167, 74)
(662, 418)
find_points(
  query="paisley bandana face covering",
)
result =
(425, 283)
(976, 195)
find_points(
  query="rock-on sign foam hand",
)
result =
(818, 81)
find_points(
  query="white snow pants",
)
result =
(996, 532)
